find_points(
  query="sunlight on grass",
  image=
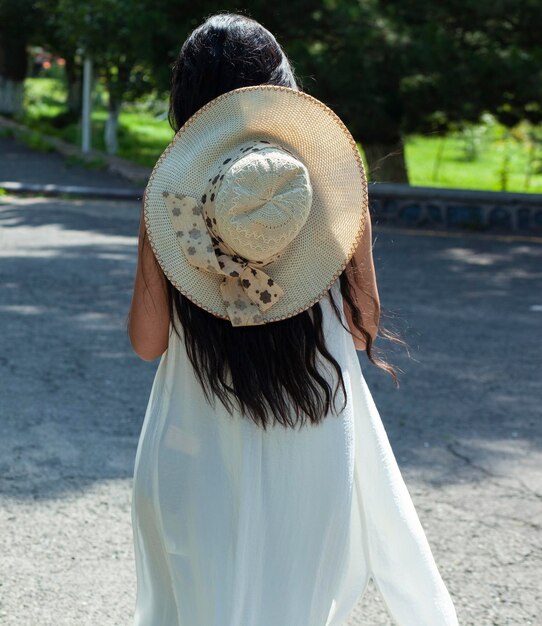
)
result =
(142, 137)
(501, 162)
(43, 97)
(487, 156)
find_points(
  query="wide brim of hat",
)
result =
(318, 138)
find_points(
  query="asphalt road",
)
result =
(20, 164)
(465, 423)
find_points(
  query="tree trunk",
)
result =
(116, 88)
(386, 162)
(73, 78)
(13, 66)
(11, 96)
(111, 128)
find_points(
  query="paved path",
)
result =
(20, 164)
(465, 424)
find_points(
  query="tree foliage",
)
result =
(114, 34)
(388, 67)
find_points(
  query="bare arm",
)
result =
(148, 325)
(365, 288)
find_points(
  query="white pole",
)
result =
(87, 105)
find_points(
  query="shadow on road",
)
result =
(74, 394)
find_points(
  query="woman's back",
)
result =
(237, 526)
(254, 524)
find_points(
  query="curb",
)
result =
(73, 191)
(452, 209)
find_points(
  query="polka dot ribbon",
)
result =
(246, 290)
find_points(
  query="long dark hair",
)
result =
(268, 372)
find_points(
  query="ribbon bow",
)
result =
(246, 290)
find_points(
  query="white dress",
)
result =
(235, 526)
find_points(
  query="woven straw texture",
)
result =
(313, 134)
(256, 229)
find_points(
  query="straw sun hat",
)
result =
(257, 205)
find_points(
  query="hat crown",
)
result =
(263, 201)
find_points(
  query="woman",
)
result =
(265, 490)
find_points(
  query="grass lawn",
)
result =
(486, 156)
(499, 161)
(142, 137)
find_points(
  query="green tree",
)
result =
(515, 27)
(395, 67)
(114, 34)
(388, 67)
(54, 33)
(357, 56)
